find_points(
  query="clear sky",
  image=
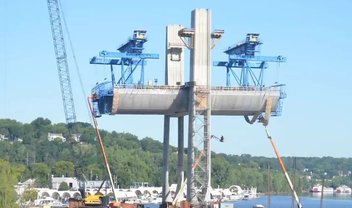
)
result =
(315, 36)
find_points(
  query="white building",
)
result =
(76, 137)
(96, 184)
(3, 137)
(52, 136)
(72, 182)
(22, 186)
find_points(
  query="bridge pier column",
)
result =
(190, 149)
(165, 188)
(180, 147)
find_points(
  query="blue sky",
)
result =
(315, 36)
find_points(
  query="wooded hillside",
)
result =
(27, 149)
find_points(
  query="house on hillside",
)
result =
(52, 136)
(3, 138)
(76, 137)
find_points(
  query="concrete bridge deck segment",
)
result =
(174, 100)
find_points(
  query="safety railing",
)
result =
(103, 89)
(249, 88)
(106, 89)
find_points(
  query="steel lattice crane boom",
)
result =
(61, 60)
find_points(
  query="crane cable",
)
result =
(299, 205)
(102, 148)
(75, 62)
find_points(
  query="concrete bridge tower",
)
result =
(178, 98)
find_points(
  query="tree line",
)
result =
(28, 153)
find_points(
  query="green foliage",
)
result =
(220, 172)
(41, 172)
(40, 127)
(11, 129)
(63, 186)
(40, 123)
(63, 168)
(94, 171)
(127, 140)
(133, 160)
(338, 180)
(9, 175)
(29, 195)
(150, 145)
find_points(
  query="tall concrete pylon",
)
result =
(201, 77)
(199, 38)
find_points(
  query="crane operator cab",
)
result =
(139, 34)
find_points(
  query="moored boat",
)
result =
(343, 190)
(319, 188)
(48, 202)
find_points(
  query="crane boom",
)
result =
(61, 60)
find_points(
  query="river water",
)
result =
(344, 201)
(310, 201)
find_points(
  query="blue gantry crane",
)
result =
(246, 67)
(130, 57)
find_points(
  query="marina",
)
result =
(148, 196)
